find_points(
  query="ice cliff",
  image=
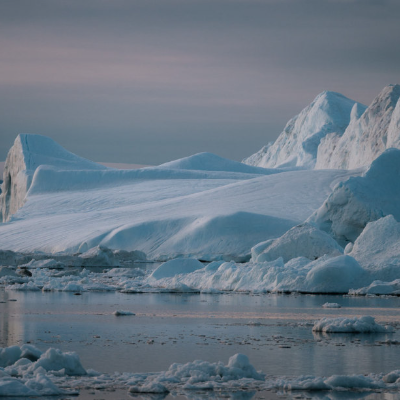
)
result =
(336, 132)
(25, 156)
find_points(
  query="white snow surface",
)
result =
(377, 249)
(176, 267)
(22, 378)
(328, 115)
(303, 240)
(26, 155)
(212, 162)
(362, 199)
(164, 212)
(365, 324)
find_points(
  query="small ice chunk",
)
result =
(364, 324)
(331, 305)
(55, 359)
(149, 387)
(13, 387)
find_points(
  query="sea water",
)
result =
(274, 331)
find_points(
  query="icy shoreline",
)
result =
(192, 276)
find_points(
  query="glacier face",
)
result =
(336, 133)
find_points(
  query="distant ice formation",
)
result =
(309, 223)
(336, 132)
(202, 206)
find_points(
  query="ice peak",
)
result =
(297, 145)
(386, 99)
(336, 132)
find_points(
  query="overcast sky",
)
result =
(154, 80)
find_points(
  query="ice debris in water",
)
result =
(200, 375)
(331, 305)
(365, 324)
(27, 372)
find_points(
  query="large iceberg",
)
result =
(202, 206)
(295, 228)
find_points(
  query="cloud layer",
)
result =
(150, 81)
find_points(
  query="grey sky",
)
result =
(153, 80)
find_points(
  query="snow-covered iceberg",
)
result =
(328, 115)
(202, 206)
(336, 132)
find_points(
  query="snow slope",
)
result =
(164, 212)
(362, 199)
(212, 162)
(328, 115)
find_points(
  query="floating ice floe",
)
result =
(331, 305)
(44, 374)
(365, 324)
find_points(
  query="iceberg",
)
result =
(334, 132)
(203, 206)
(298, 145)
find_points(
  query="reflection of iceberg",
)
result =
(11, 325)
